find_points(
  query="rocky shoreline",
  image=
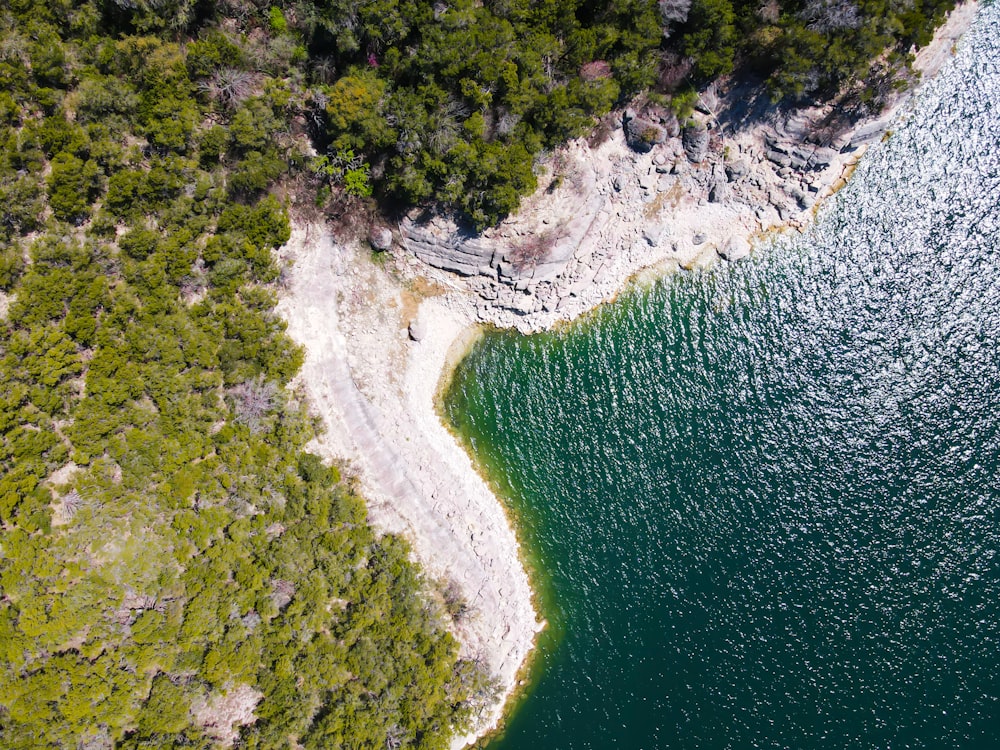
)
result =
(381, 338)
(686, 198)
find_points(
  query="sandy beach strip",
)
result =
(374, 389)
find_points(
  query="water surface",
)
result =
(764, 500)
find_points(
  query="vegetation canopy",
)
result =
(174, 570)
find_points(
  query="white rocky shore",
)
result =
(380, 337)
(603, 212)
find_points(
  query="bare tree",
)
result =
(229, 86)
(394, 737)
(96, 739)
(597, 70)
(253, 401)
(830, 15)
(674, 12)
(323, 70)
(282, 592)
(72, 502)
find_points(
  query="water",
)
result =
(763, 501)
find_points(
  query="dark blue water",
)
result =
(764, 501)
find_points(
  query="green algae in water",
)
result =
(765, 500)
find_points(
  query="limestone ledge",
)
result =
(602, 213)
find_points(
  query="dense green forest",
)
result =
(192, 567)
(170, 558)
(445, 104)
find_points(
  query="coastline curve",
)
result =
(373, 383)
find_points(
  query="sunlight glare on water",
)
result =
(764, 500)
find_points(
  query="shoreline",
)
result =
(382, 342)
(605, 212)
(373, 389)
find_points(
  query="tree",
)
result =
(71, 185)
(354, 112)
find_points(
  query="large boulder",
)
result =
(737, 169)
(671, 125)
(642, 134)
(734, 249)
(695, 140)
(417, 329)
(718, 191)
(380, 237)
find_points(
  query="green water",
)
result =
(763, 501)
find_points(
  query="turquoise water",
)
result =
(763, 501)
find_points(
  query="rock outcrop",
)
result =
(642, 134)
(695, 139)
(649, 195)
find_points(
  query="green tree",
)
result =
(71, 184)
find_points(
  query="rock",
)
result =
(776, 157)
(417, 329)
(695, 140)
(774, 143)
(652, 235)
(796, 194)
(718, 191)
(869, 132)
(659, 160)
(798, 158)
(822, 158)
(380, 237)
(642, 134)
(671, 125)
(734, 249)
(737, 169)
(699, 238)
(442, 245)
(647, 182)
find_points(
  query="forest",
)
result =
(175, 569)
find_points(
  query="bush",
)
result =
(71, 185)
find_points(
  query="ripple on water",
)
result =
(765, 499)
